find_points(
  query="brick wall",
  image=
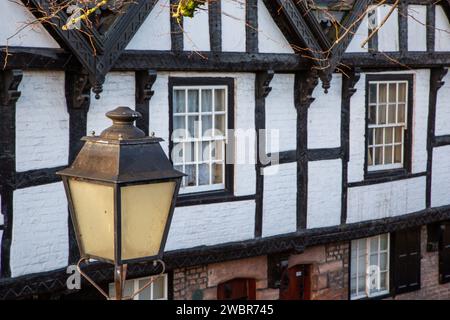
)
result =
(329, 270)
(201, 282)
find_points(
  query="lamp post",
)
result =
(121, 191)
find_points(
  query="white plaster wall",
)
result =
(270, 37)
(420, 120)
(233, 26)
(420, 125)
(440, 183)
(443, 108)
(118, 90)
(244, 171)
(196, 31)
(386, 199)
(442, 35)
(42, 121)
(324, 116)
(280, 199)
(19, 27)
(357, 132)
(40, 233)
(417, 30)
(324, 193)
(388, 33)
(281, 116)
(211, 224)
(154, 33)
(360, 35)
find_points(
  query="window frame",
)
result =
(135, 283)
(378, 295)
(407, 143)
(195, 83)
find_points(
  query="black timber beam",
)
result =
(296, 29)
(395, 60)
(209, 61)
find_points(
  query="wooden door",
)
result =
(237, 289)
(296, 283)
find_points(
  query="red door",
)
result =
(237, 289)
(295, 283)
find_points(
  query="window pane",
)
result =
(361, 284)
(179, 127)
(372, 114)
(401, 113)
(398, 134)
(383, 281)
(402, 92)
(382, 94)
(203, 151)
(379, 136)
(384, 241)
(179, 101)
(206, 100)
(398, 154)
(177, 153)
(383, 261)
(203, 174)
(388, 135)
(193, 101)
(193, 126)
(220, 125)
(370, 157)
(388, 155)
(219, 99)
(382, 114)
(392, 110)
(217, 150)
(217, 173)
(158, 288)
(191, 175)
(353, 286)
(362, 247)
(374, 245)
(207, 126)
(373, 259)
(371, 133)
(146, 293)
(373, 93)
(189, 152)
(393, 92)
(378, 155)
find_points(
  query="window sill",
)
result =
(384, 174)
(199, 198)
(382, 177)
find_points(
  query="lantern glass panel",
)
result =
(145, 209)
(94, 214)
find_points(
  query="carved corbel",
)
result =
(145, 80)
(263, 80)
(9, 84)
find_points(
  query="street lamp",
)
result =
(121, 190)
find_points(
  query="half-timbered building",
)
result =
(357, 204)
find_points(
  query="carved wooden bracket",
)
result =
(263, 80)
(78, 89)
(350, 81)
(9, 84)
(437, 75)
(307, 85)
(144, 83)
